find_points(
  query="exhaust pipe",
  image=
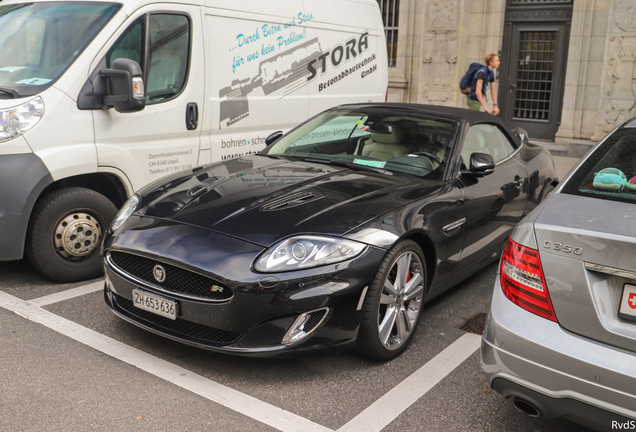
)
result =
(526, 407)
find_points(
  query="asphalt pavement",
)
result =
(68, 364)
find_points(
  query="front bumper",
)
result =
(561, 373)
(262, 308)
(24, 177)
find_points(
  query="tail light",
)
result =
(522, 280)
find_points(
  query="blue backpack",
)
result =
(469, 80)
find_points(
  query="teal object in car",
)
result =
(610, 178)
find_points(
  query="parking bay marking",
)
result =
(374, 418)
(69, 294)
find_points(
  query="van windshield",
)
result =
(39, 41)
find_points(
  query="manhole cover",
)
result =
(474, 324)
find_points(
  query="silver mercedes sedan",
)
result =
(560, 339)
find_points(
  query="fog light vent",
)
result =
(304, 325)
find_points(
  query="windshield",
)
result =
(39, 41)
(388, 140)
(610, 172)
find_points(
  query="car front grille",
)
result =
(179, 327)
(177, 280)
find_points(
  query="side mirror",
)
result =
(521, 134)
(273, 137)
(481, 164)
(126, 90)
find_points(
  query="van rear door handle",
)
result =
(192, 116)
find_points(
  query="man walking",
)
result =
(484, 77)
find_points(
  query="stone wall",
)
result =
(617, 100)
(438, 39)
(585, 65)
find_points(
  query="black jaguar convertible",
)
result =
(333, 237)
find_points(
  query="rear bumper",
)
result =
(562, 374)
(567, 408)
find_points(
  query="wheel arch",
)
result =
(109, 185)
(428, 247)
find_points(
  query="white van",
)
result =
(97, 99)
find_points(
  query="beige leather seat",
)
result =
(385, 146)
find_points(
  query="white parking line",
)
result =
(374, 418)
(397, 400)
(225, 396)
(68, 294)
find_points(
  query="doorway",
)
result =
(533, 65)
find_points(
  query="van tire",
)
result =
(66, 232)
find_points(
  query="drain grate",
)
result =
(474, 324)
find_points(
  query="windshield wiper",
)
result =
(9, 91)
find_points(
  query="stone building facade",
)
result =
(567, 66)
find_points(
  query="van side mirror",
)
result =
(481, 164)
(126, 91)
(273, 137)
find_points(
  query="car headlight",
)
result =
(307, 251)
(124, 212)
(17, 120)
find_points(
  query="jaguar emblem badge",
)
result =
(159, 273)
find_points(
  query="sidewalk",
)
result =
(565, 157)
(564, 164)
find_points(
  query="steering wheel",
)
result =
(430, 156)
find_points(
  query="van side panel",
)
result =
(257, 76)
(64, 138)
(272, 71)
(362, 74)
(154, 142)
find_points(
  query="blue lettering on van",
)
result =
(244, 40)
(267, 49)
(337, 54)
(304, 17)
(292, 39)
(237, 62)
(271, 29)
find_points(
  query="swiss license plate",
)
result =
(627, 306)
(154, 304)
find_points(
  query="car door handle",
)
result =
(192, 116)
(518, 182)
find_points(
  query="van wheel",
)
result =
(66, 232)
(393, 305)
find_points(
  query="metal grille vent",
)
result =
(390, 17)
(292, 200)
(535, 75)
(178, 280)
(179, 327)
(314, 320)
